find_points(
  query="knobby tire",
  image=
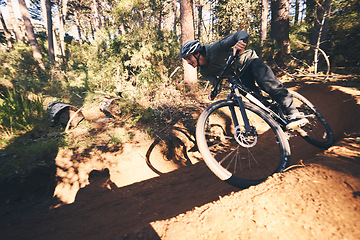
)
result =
(226, 158)
(317, 132)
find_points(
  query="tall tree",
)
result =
(280, 23)
(43, 12)
(61, 14)
(321, 21)
(264, 21)
(31, 35)
(200, 5)
(175, 10)
(6, 30)
(77, 23)
(157, 9)
(297, 11)
(14, 21)
(50, 32)
(187, 34)
(46, 16)
(320, 27)
(97, 16)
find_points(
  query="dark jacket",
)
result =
(218, 52)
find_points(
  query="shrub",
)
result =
(20, 67)
(18, 112)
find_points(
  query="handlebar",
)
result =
(217, 88)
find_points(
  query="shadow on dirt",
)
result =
(103, 211)
(28, 167)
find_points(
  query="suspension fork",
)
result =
(242, 110)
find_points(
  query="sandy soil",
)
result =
(117, 196)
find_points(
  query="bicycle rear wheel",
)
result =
(239, 159)
(317, 131)
(166, 155)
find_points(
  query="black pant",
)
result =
(259, 72)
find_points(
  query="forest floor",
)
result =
(114, 195)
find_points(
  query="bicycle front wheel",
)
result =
(232, 154)
(317, 131)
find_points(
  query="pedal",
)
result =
(301, 131)
(297, 124)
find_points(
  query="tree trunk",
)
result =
(25, 37)
(187, 34)
(43, 13)
(57, 49)
(280, 23)
(62, 11)
(175, 9)
(14, 22)
(322, 15)
(77, 23)
(30, 33)
(52, 44)
(264, 20)
(320, 29)
(297, 10)
(160, 19)
(6, 31)
(97, 17)
(50, 32)
(200, 16)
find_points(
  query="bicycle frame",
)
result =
(236, 93)
(238, 89)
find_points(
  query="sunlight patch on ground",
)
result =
(125, 168)
(353, 91)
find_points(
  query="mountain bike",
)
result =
(245, 140)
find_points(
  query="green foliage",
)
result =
(35, 151)
(135, 113)
(139, 13)
(121, 63)
(19, 113)
(237, 15)
(20, 67)
(343, 45)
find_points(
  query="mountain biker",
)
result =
(211, 60)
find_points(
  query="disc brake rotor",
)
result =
(244, 138)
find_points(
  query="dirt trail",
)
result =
(320, 200)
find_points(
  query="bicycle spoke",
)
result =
(245, 155)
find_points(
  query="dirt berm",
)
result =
(319, 199)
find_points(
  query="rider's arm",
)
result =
(217, 54)
(232, 39)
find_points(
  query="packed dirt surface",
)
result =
(317, 197)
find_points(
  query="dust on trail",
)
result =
(319, 200)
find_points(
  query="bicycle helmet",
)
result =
(190, 47)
